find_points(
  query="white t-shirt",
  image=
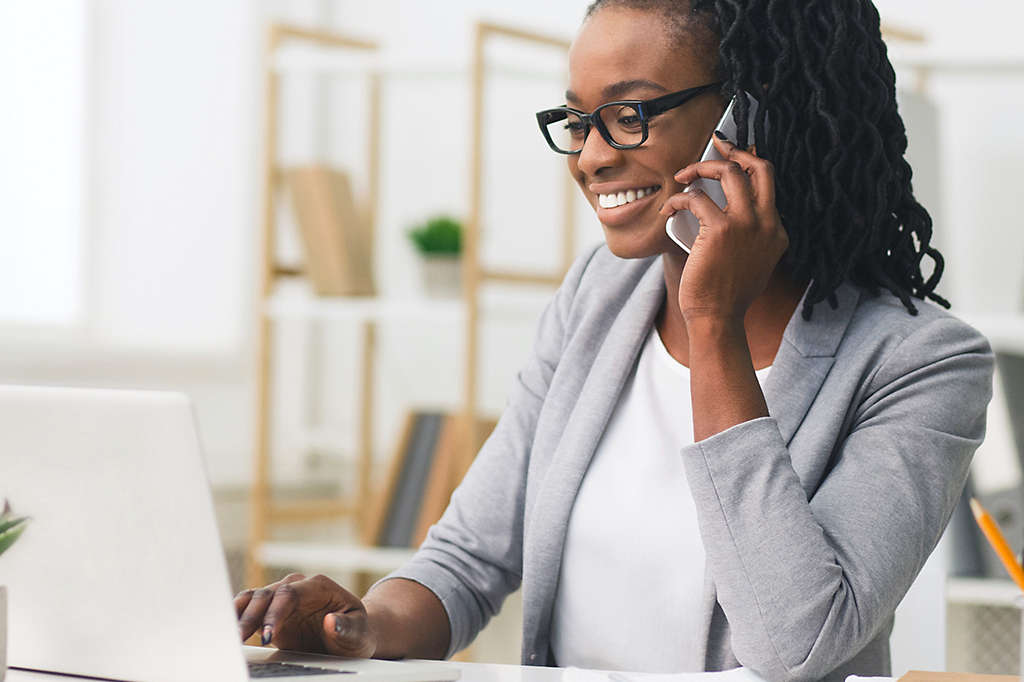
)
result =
(633, 564)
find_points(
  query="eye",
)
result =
(575, 128)
(629, 121)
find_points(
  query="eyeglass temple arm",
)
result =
(659, 105)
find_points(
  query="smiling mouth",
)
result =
(625, 197)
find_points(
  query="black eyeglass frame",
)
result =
(646, 109)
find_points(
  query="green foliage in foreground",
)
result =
(11, 527)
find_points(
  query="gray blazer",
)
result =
(815, 519)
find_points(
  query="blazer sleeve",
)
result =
(806, 584)
(472, 557)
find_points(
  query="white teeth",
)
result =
(620, 198)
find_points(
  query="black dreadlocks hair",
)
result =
(828, 122)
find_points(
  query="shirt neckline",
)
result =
(666, 358)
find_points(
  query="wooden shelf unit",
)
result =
(369, 311)
(264, 511)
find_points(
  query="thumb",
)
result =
(348, 634)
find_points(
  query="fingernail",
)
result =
(268, 634)
(721, 136)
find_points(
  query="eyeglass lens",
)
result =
(622, 121)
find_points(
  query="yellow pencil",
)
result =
(995, 538)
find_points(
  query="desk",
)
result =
(490, 672)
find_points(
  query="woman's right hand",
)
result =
(307, 614)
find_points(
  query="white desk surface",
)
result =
(492, 672)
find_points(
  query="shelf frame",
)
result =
(473, 274)
(263, 511)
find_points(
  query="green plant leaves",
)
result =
(441, 235)
(8, 536)
(11, 527)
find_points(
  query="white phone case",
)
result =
(683, 227)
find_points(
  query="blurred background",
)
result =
(217, 198)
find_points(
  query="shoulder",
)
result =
(900, 342)
(884, 316)
(599, 276)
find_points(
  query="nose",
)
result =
(597, 154)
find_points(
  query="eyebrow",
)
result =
(617, 90)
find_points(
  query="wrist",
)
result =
(713, 327)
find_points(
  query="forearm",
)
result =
(723, 387)
(407, 620)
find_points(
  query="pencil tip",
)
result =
(976, 507)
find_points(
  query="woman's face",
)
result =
(628, 54)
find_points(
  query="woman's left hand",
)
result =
(738, 248)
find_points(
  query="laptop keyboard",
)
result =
(291, 670)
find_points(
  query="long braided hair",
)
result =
(828, 122)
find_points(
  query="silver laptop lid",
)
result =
(120, 573)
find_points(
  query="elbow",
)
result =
(843, 640)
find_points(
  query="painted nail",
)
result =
(268, 634)
(721, 136)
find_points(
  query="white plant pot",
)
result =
(442, 276)
(3, 632)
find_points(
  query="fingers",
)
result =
(252, 616)
(760, 171)
(252, 606)
(348, 634)
(696, 202)
(735, 183)
(242, 600)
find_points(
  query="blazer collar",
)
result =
(805, 357)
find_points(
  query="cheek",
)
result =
(572, 162)
(685, 145)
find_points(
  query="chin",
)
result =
(631, 246)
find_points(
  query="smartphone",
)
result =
(683, 227)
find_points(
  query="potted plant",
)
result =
(439, 242)
(11, 528)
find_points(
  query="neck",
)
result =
(765, 321)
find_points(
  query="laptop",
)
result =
(120, 572)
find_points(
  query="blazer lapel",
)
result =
(545, 534)
(805, 357)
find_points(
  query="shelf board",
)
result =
(299, 60)
(304, 306)
(982, 592)
(1004, 331)
(334, 557)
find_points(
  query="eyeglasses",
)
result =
(622, 124)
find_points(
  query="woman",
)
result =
(740, 456)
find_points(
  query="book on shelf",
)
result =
(336, 240)
(423, 473)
